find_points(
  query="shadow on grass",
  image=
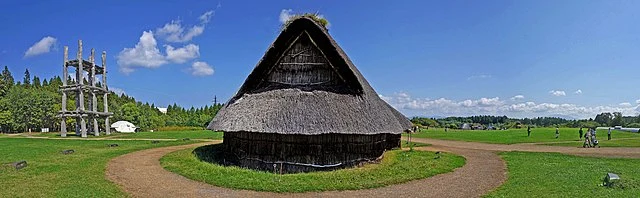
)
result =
(213, 153)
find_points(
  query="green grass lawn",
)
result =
(397, 166)
(414, 144)
(513, 136)
(52, 174)
(559, 175)
(199, 134)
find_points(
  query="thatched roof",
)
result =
(306, 84)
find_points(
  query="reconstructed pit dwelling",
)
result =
(305, 107)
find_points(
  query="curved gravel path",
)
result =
(624, 152)
(141, 175)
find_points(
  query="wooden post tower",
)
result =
(89, 69)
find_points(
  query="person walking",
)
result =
(609, 134)
(587, 142)
(528, 131)
(557, 132)
(580, 133)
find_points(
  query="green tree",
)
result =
(22, 107)
(617, 119)
(6, 118)
(27, 78)
(36, 82)
(8, 78)
(130, 112)
(3, 86)
(604, 119)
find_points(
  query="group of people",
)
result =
(590, 140)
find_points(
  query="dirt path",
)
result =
(625, 152)
(140, 174)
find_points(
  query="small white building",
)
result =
(124, 127)
(162, 109)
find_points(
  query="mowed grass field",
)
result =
(397, 166)
(178, 135)
(560, 175)
(570, 136)
(51, 174)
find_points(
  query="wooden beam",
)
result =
(107, 126)
(65, 72)
(86, 65)
(75, 88)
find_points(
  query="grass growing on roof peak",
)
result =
(313, 16)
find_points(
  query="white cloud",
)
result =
(579, 91)
(43, 46)
(285, 15)
(182, 55)
(174, 32)
(206, 17)
(625, 104)
(144, 54)
(557, 93)
(117, 90)
(199, 68)
(494, 106)
(480, 76)
(517, 97)
(638, 101)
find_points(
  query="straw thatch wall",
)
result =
(304, 153)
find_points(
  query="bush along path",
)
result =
(141, 175)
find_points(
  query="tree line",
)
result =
(34, 103)
(605, 119)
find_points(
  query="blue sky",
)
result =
(432, 58)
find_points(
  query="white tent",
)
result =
(124, 127)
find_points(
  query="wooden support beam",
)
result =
(84, 113)
(86, 65)
(107, 126)
(94, 100)
(80, 81)
(65, 73)
(87, 88)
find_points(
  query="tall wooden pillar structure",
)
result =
(82, 115)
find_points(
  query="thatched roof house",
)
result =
(306, 107)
